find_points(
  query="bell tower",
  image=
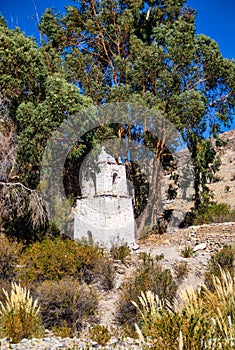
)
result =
(105, 212)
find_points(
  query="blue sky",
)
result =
(215, 18)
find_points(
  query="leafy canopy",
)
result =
(148, 51)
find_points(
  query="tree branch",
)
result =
(18, 200)
(221, 99)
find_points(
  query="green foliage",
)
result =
(19, 315)
(107, 274)
(206, 163)
(66, 305)
(120, 252)
(53, 259)
(159, 257)
(100, 334)
(149, 276)
(37, 97)
(214, 213)
(147, 53)
(223, 259)
(187, 252)
(150, 54)
(181, 270)
(38, 121)
(22, 67)
(10, 251)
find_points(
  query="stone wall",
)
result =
(214, 235)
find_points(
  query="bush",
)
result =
(181, 270)
(58, 258)
(66, 305)
(223, 259)
(19, 315)
(159, 257)
(120, 252)
(107, 274)
(10, 251)
(149, 276)
(195, 320)
(100, 334)
(173, 326)
(214, 213)
(187, 252)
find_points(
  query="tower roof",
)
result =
(104, 157)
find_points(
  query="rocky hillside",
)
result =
(223, 185)
(224, 182)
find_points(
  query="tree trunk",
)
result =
(146, 219)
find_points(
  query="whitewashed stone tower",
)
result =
(104, 213)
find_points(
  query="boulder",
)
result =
(200, 246)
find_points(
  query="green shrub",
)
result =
(159, 257)
(107, 274)
(181, 270)
(58, 258)
(10, 251)
(222, 259)
(66, 305)
(187, 252)
(100, 334)
(63, 330)
(214, 213)
(149, 276)
(19, 315)
(120, 252)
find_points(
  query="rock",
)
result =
(118, 284)
(112, 341)
(120, 270)
(134, 246)
(117, 262)
(200, 246)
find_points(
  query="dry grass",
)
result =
(18, 297)
(195, 320)
(19, 314)
(221, 303)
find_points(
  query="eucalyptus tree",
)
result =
(148, 51)
(35, 98)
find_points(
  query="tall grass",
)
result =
(19, 314)
(201, 319)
